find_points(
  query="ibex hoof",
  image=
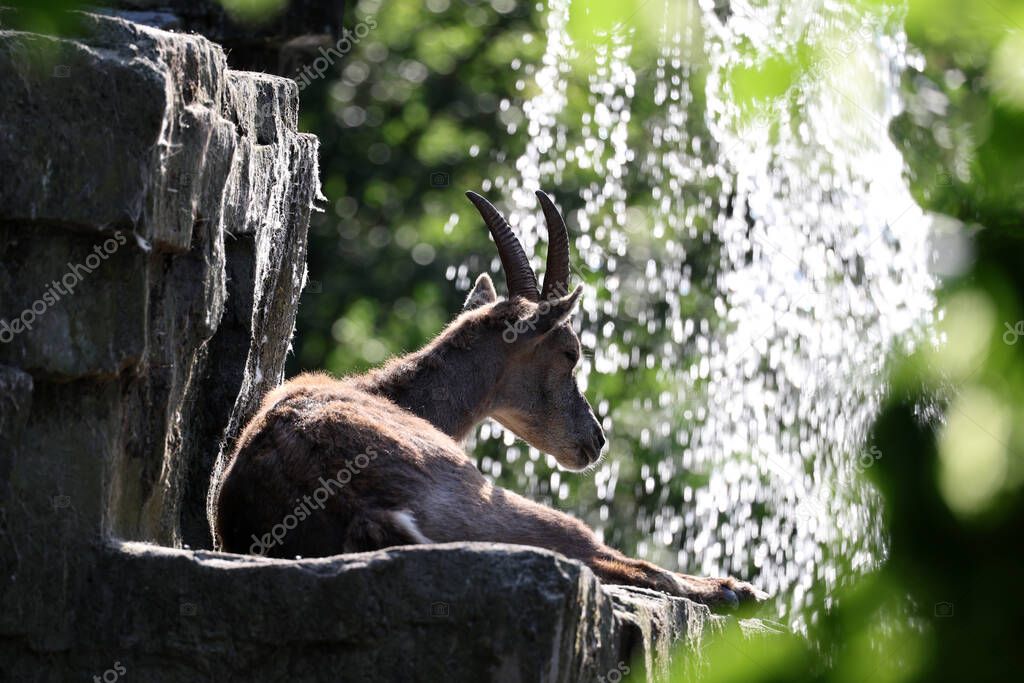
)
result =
(727, 593)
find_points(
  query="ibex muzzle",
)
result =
(330, 466)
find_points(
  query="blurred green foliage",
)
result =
(962, 133)
(253, 10)
(51, 17)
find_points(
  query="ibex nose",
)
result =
(599, 439)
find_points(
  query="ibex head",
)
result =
(537, 396)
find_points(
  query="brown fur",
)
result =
(410, 414)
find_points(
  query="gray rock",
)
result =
(116, 393)
(454, 612)
(207, 166)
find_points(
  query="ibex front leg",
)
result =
(612, 566)
(501, 516)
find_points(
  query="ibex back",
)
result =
(332, 466)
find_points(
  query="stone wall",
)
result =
(153, 212)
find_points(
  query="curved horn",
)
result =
(519, 276)
(556, 276)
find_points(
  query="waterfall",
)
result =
(753, 262)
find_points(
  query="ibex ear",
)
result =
(482, 293)
(554, 312)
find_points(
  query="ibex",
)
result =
(332, 466)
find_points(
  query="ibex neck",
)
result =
(449, 387)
